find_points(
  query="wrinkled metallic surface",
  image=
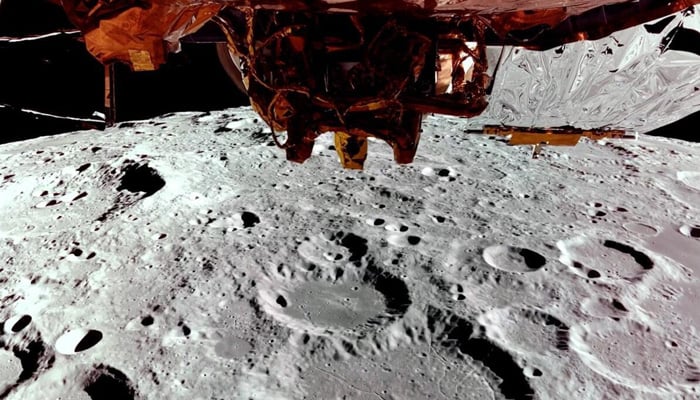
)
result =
(571, 7)
(628, 80)
(141, 32)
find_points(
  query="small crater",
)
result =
(80, 196)
(618, 305)
(413, 240)
(222, 129)
(50, 203)
(140, 178)
(106, 382)
(690, 179)
(281, 301)
(83, 168)
(186, 330)
(378, 222)
(593, 274)
(208, 266)
(249, 219)
(513, 259)
(642, 229)
(78, 340)
(147, 320)
(690, 231)
(17, 324)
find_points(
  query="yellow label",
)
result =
(141, 60)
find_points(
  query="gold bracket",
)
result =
(537, 138)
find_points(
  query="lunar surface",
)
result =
(184, 258)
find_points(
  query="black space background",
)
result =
(58, 76)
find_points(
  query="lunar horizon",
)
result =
(182, 257)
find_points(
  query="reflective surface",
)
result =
(631, 80)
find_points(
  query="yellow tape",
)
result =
(352, 150)
(141, 60)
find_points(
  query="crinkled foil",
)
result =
(630, 80)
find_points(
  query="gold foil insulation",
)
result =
(360, 75)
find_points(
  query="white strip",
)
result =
(25, 110)
(8, 39)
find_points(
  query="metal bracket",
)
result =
(110, 95)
